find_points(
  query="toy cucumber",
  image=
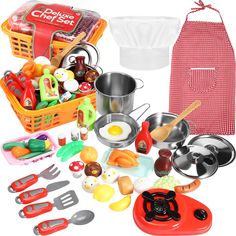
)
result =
(41, 105)
(53, 103)
(31, 155)
(69, 150)
(9, 146)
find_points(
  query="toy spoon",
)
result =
(51, 226)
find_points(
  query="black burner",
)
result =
(160, 206)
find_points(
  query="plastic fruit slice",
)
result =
(122, 204)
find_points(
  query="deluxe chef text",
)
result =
(54, 16)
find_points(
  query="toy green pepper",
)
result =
(36, 145)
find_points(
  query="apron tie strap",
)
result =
(202, 6)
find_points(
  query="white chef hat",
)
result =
(144, 40)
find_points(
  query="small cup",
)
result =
(74, 134)
(62, 139)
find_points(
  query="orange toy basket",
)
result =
(21, 44)
(46, 118)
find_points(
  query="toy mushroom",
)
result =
(77, 167)
(85, 87)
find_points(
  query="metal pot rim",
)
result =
(172, 115)
(115, 96)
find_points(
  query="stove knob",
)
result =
(200, 214)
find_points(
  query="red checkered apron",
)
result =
(203, 67)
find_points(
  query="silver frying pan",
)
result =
(114, 117)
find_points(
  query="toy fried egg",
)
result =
(115, 131)
(89, 184)
(110, 175)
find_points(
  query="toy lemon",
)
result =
(103, 193)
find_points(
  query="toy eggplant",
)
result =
(48, 86)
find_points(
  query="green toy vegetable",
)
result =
(36, 145)
(9, 146)
(53, 103)
(31, 155)
(69, 150)
(41, 105)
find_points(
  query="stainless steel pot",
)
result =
(178, 134)
(115, 92)
(114, 117)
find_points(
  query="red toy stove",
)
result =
(163, 212)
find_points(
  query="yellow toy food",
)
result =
(122, 204)
(103, 193)
(88, 154)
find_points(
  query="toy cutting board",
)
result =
(144, 168)
(48, 20)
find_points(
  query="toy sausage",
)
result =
(189, 187)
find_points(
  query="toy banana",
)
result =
(121, 204)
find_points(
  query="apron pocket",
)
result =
(202, 80)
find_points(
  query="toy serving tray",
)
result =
(143, 170)
(14, 161)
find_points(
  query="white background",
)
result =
(216, 192)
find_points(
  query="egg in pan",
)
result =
(115, 131)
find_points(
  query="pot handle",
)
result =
(141, 83)
(71, 59)
(94, 48)
(137, 108)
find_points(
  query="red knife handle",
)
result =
(37, 209)
(23, 183)
(32, 195)
(51, 226)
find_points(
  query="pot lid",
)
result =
(195, 162)
(222, 148)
